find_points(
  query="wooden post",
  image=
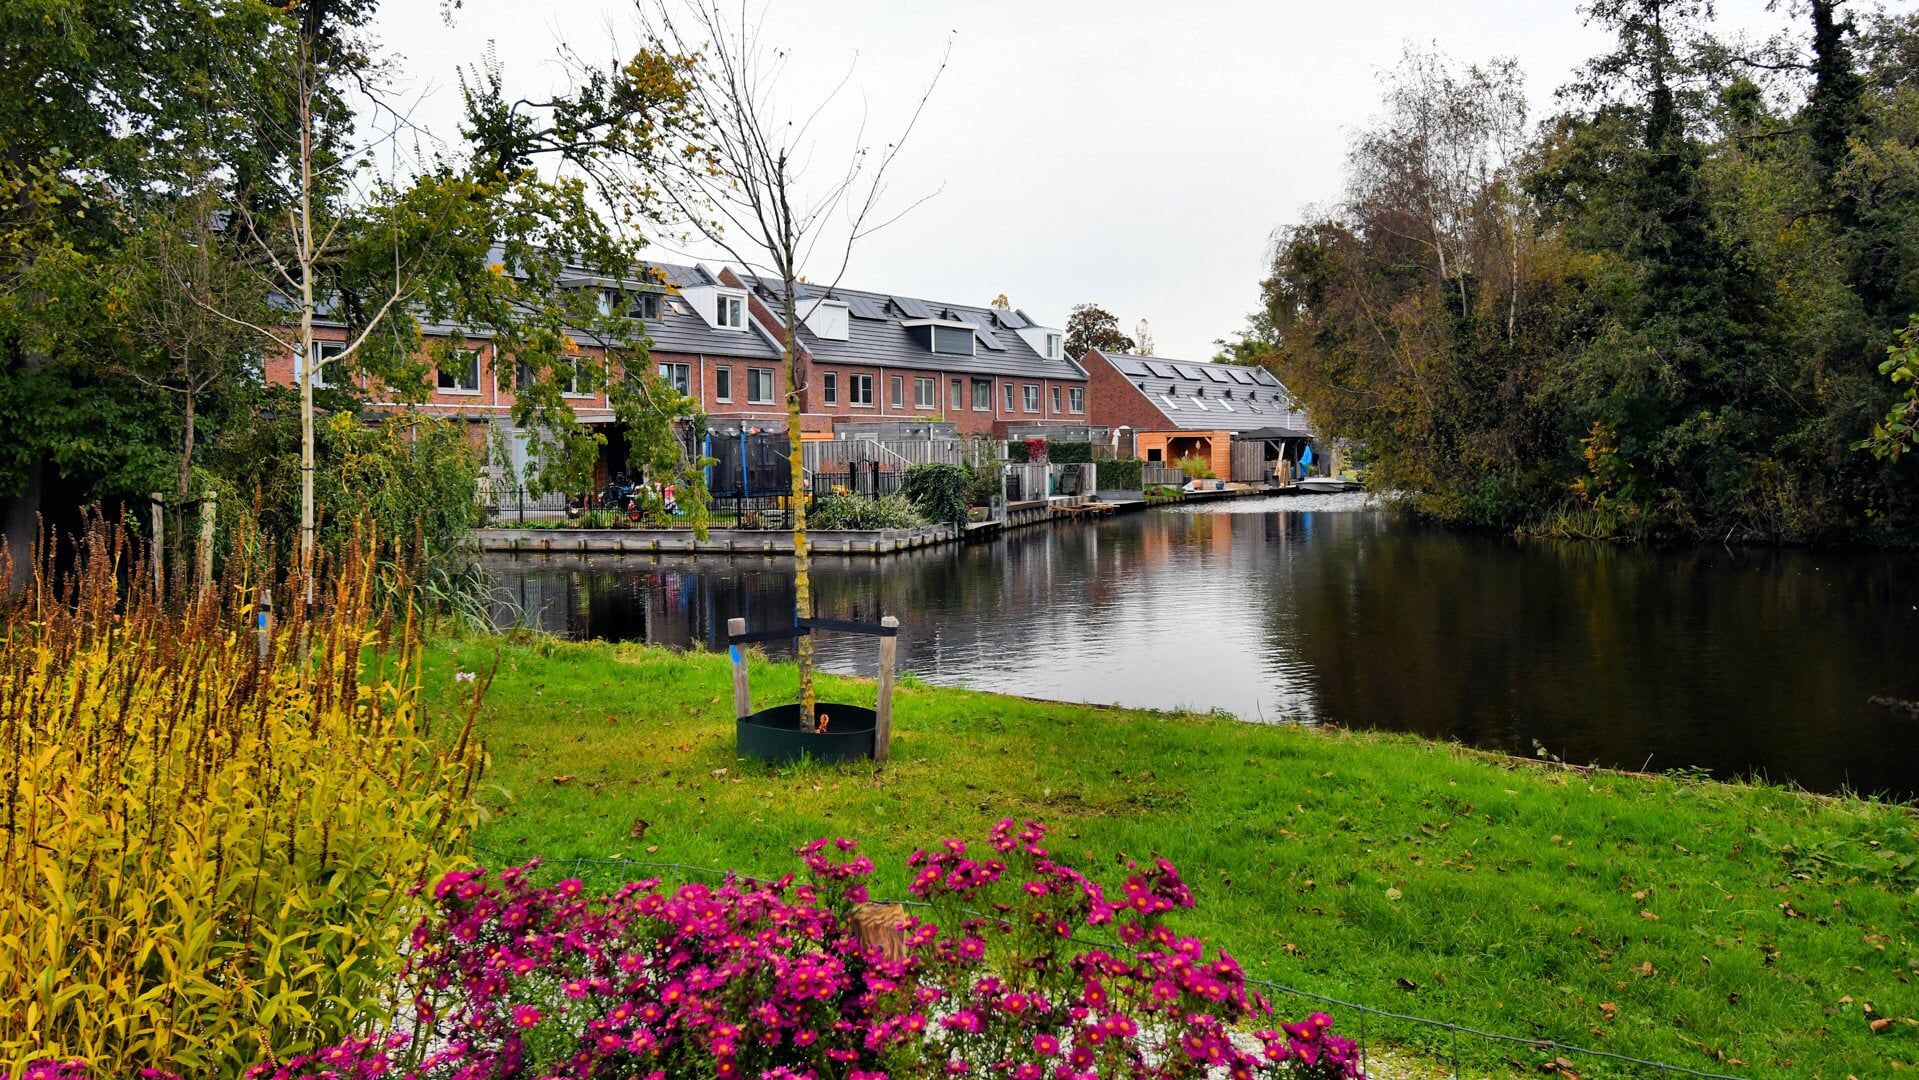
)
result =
(265, 621)
(742, 694)
(159, 508)
(209, 513)
(883, 709)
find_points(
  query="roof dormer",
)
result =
(948, 337)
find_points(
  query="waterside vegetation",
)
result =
(1725, 926)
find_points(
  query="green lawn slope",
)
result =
(1748, 930)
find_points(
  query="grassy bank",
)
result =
(1701, 924)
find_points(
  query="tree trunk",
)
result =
(802, 563)
(23, 525)
(308, 257)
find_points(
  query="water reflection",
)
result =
(1737, 661)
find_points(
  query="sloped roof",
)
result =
(1211, 396)
(878, 337)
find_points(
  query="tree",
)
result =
(739, 184)
(1002, 303)
(1092, 327)
(1143, 334)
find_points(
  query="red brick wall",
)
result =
(1116, 402)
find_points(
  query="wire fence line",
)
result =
(1454, 1030)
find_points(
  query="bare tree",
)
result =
(742, 185)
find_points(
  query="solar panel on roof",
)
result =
(1131, 367)
(1264, 377)
(1188, 372)
(1164, 371)
(1009, 319)
(1216, 375)
(914, 309)
(985, 337)
(1240, 376)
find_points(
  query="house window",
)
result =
(645, 305)
(461, 372)
(678, 376)
(859, 390)
(1009, 397)
(982, 395)
(1055, 399)
(1052, 346)
(731, 313)
(896, 392)
(952, 340)
(324, 353)
(959, 395)
(1031, 397)
(925, 393)
(759, 386)
(830, 388)
(1076, 399)
(723, 383)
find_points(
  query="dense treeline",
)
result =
(1665, 311)
(186, 186)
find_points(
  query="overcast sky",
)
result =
(1133, 154)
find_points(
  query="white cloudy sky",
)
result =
(1135, 153)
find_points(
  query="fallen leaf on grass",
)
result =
(719, 771)
(1408, 985)
(561, 779)
(651, 848)
(1393, 894)
(1649, 915)
(1880, 1024)
(1644, 969)
(639, 828)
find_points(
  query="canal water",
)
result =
(1320, 609)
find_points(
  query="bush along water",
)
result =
(803, 979)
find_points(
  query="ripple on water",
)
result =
(1345, 501)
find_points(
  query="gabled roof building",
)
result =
(1176, 409)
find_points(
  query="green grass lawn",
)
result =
(1740, 929)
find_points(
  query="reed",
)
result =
(207, 856)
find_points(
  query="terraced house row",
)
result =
(863, 357)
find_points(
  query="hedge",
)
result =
(1128, 475)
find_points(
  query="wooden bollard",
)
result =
(742, 694)
(159, 545)
(209, 514)
(883, 708)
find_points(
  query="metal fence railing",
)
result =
(862, 479)
(1444, 1051)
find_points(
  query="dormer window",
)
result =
(952, 341)
(1052, 346)
(643, 305)
(730, 314)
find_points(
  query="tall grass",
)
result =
(206, 855)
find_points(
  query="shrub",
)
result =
(208, 860)
(1121, 475)
(1069, 453)
(1195, 467)
(790, 979)
(939, 491)
(984, 483)
(836, 511)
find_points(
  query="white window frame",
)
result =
(1010, 397)
(323, 350)
(439, 375)
(1029, 398)
(957, 392)
(1052, 346)
(926, 392)
(1056, 399)
(977, 384)
(859, 390)
(723, 383)
(1076, 399)
(729, 311)
(754, 375)
(830, 387)
(896, 391)
(677, 369)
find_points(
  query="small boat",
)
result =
(1326, 485)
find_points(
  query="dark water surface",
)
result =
(1739, 661)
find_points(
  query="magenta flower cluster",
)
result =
(800, 979)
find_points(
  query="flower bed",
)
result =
(804, 979)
